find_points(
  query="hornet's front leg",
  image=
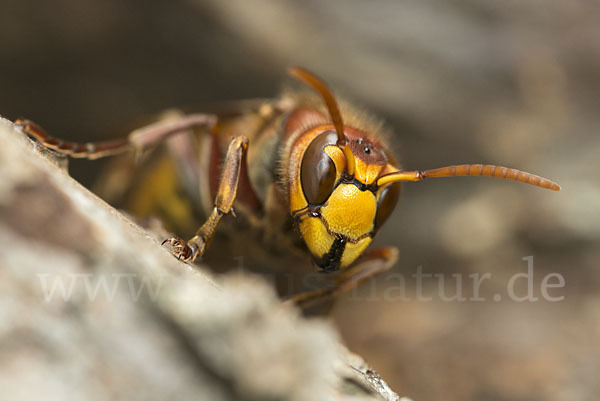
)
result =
(370, 264)
(188, 251)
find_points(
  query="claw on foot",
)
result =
(179, 248)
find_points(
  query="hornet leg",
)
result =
(188, 251)
(137, 140)
(372, 263)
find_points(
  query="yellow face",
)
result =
(338, 214)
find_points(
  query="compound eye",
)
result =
(386, 203)
(317, 174)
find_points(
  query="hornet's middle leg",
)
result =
(190, 250)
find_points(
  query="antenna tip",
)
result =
(295, 71)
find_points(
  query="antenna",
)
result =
(486, 170)
(317, 84)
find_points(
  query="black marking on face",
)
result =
(330, 262)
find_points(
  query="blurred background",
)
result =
(515, 83)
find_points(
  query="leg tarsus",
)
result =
(180, 249)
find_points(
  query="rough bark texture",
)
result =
(91, 307)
